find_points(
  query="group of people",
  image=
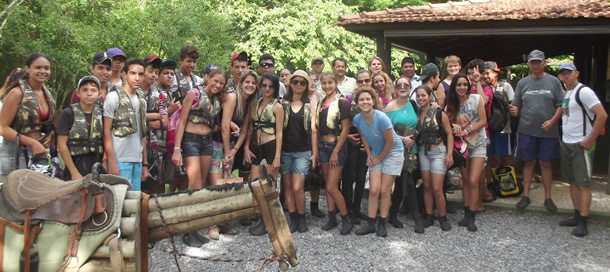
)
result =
(131, 114)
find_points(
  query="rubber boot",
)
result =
(302, 224)
(332, 221)
(293, 225)
(394, 220)
(471, 219)
(419, 224)
(382, 231)
(444, 223)
(464, 221)
(428, 220)
(572, 221)
(346, 225)
(259, 229)
(191, 240)
(581, 228)
(315, 211)
(368, 228)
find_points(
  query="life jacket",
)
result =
(183, 85)
(306, 114)
(153, 99)
(124, 121)
(201, 113)
(429, 129)
(28, 118)
(82, 139)
(333, 117)
(266, 120)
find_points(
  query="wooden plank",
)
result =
(209, 193)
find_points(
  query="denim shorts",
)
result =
(7, 158)
(479, 151)
(433, 160)
(196, 145)
(295, 162)
(391, 164)
(326, 149)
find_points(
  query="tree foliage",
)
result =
(72, 31)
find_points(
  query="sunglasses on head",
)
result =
(266, 86)
(403, 86)
(298, 82)
(360, 81)
(266, 64)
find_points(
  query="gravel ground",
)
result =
(505, 241)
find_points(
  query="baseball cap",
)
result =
(101, 57)
(153, 59)
(427, 71)
(317, 59)
(567, 66)
(169, 63)
(87, 79)
(208, 68)
(492, 65)
(535, 55)
(242, 55)
(115, 51)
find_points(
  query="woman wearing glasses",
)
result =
(264, 141)
(403, 113)
(299, 150)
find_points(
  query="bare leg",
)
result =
(428, 195)
(547, 177)
(374, 192)
(288, 192)
(386, 194)
(528, 173)
(298, 184)
(438, 181)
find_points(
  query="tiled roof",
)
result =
(484, 10)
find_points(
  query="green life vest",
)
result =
(124, 121)
(28, 117)
(333, 117)
(82, 139)
(206, 111)
(153, 100)
(266, 120)
(306, 114)
(429, 128)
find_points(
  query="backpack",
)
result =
(498, 116)
(585, 114)
(505, 182)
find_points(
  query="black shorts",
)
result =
(265, 151)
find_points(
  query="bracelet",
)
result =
(145, 164)
(177, 148)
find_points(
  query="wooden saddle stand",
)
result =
(96, 224)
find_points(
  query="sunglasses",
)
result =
(360, 81)
(403, 86)
(299, 82)
(266, 64)
(266, 86)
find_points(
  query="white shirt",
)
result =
(572, 116)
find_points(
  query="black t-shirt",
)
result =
(83, 163)
(344, 113)
(295, 138)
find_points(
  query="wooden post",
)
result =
(275, 222)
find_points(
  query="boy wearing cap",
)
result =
(317, 66)
(430, 77)
(125, 126)
(185, 79)
(79, 134)
(206, 71)
(118, 60)
(582, 123)
(101, 67)
(537, 101)
(156, 122)
(239, 63)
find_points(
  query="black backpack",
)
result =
(498, 117)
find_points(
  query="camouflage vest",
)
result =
(306, 114)
(124, 121)
(183, 84)
(266, 120)
(82, 139)
(153, 100)
(333, 117)
(28, 119)
(429, 129)
(205, 112)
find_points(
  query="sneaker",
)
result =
(550, 206)
(524, 202)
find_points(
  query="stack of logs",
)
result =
(193, 210)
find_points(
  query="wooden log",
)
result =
(155, 234)
(127, 247)
(130, 206)
(200, 210)
(128, 226)
(104, 265)
(275, 222)
(193, 197)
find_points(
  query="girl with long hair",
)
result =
(382, 83)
